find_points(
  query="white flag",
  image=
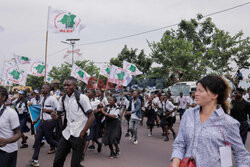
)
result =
(60, 21)
(131, 68)
(119, 76)
(22, 59)
(105, 70)
(1, 29)
(37, 68)
(48, 79)
(80, 74)
(14, 75)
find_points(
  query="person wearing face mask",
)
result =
(240, 112)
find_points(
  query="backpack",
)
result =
(77, 96)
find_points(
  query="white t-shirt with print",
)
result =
(8, 122)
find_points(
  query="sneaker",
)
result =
(166, 139)
(150, 134)
(112, 155)
(174, 135)
(117, 152)
(99, 148)
(35, 163)
(136, 142)
(92, 147)
(51, 151)
(127, 134)
(24, 145)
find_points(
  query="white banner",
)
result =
(105, 70)
(37, 68)
(13, 75)
(60, 21)
(119, 76)
(80, 74)
(131, 68)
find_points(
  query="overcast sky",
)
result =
(24, 23)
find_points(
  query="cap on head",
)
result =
(21, 92)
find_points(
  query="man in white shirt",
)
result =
(9, 132)
(182, 103)
(78, 122)
(47, 125)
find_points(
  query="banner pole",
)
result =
(97, 80)
(46, 46)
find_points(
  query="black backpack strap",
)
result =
(63, 99)
(77, 95)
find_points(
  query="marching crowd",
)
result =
(74, 120)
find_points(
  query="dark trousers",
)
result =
(181, 112)
(77, 144)
(8, 159)
(244, 131)
(45, 129)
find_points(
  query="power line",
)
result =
(152, 30)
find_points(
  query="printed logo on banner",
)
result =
(37, 69)
(14, 75)
(66, 22)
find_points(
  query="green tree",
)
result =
(198, 48)
(34, 81)
(62, 72)
(141, 60)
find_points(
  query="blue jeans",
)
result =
(181, 112)
(133, 125)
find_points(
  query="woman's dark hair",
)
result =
(217, 85)
(4, 92)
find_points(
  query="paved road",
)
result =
(150, 152)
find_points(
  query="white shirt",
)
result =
(50, 103)
(34, 101)
(114, 111)
(183, 102)
(170, 107)
(76, 119)
(246, 97)
(8, 122)
(104, 101)
(94, 103)
(20, 106)
(133, 115)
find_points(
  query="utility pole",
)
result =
(72, 43)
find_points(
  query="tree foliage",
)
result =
(141, 60)
(198, 48)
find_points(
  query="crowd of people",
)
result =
(76, 120)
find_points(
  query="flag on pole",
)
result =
(105, 70)
(14, 75)
(60, 21)
(48, 79)
(35, 111)
(131, 68)
(119, 76)
(80, 74)
(1, 29)
(22, 59)
(37, 68)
